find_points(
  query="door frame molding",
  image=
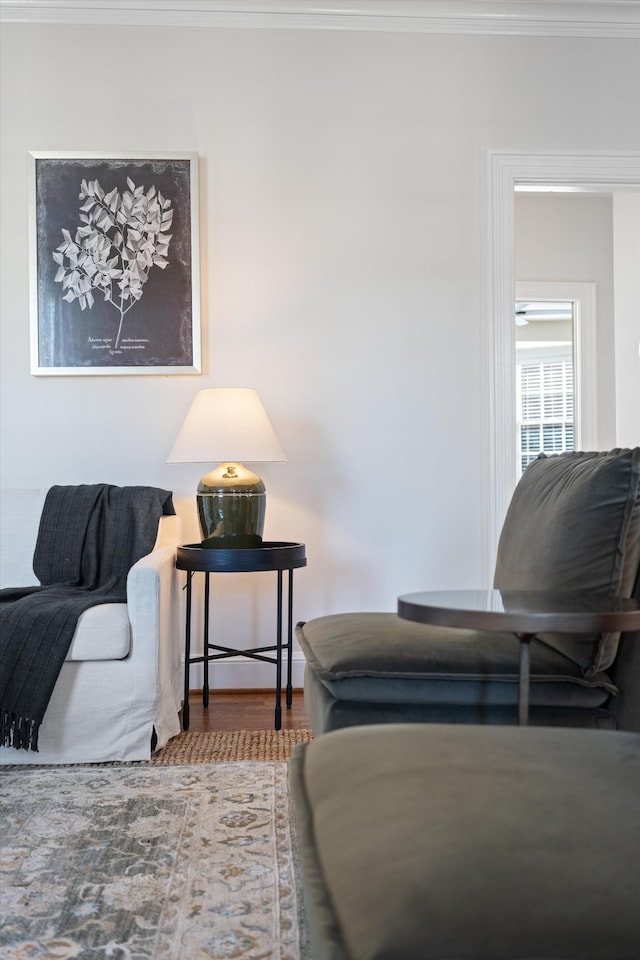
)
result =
(504, 171)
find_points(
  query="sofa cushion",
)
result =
(441, 842)
(574, 524)
(380, 657)
(102, 633)
(377, 668)
(557, 705)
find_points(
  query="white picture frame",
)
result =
(114, 264)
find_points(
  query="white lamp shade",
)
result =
(228, 425)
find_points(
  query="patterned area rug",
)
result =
(142, 861)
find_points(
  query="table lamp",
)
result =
(229, 425)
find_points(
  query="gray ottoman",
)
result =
(447, 842)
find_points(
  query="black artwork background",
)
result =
(162, 320)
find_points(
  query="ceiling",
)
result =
(566, 18)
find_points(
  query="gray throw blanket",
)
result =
(89, 538)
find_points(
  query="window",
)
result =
(545, 383)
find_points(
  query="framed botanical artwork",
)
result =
(114, 263)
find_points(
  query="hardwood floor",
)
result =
(244, 710)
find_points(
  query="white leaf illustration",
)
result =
(119, 239)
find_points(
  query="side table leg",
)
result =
(290, 642)
(187, 654)
(524, 677)
(278, 716)
(205, 662)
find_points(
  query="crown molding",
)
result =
(557, 18)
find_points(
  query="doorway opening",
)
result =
(505, 172)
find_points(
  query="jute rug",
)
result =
(149, 862)
(215, 747)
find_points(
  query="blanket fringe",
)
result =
(18, 732)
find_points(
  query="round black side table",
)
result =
(272, 555)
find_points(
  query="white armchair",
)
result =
(120, 686)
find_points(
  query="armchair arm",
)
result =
(153, 598)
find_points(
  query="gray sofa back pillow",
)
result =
(574, 524)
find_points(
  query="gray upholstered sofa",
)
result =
(469, 838)
(462, 842)
(573, 524)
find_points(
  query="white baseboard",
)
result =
(237, 673)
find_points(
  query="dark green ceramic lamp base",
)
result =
(231, 507)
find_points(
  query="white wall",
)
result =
(569, 237)
(342, 260)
